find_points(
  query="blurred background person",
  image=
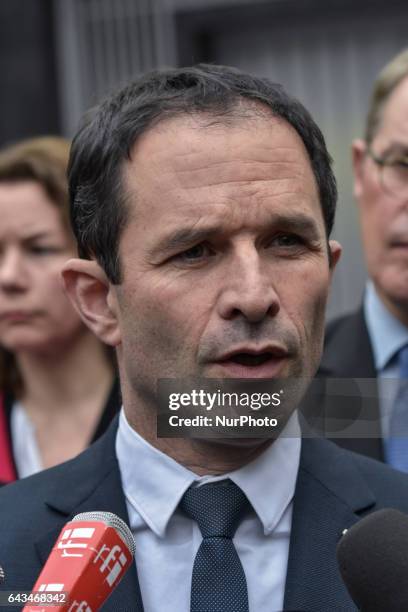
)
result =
(373, 341)
(57, 381)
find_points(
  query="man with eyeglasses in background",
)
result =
(373, 342)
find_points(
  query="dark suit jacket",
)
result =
(348, 354)
(335, 488)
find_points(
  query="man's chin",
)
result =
(239, 442)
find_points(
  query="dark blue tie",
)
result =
(218, 581)
(396, 447)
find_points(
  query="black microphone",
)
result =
(373, 561)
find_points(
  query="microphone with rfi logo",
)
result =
(90, 557)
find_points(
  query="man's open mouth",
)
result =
(248, 359)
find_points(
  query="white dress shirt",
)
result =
(25, 447)
(388, 335)
(167, 540)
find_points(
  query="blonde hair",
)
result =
(43, 160)
(389, 78)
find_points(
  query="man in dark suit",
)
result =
(335, 488)
(373, 342)
(203, 201)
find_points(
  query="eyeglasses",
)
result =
(393, 173)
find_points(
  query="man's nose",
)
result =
(13, 273)
(249, 290)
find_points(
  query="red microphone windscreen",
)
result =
(89, 558)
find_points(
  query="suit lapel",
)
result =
(93, 483)
(330, 495)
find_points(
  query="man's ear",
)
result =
(335, 254)
(358, 151)
(91, 294)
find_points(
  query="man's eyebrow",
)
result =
(183, 238)
(37, 236)
(298, 222)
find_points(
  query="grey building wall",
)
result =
(28, 87)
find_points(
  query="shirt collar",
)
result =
(269, 481)
(154, 489)
(388, 335)
(153, 482)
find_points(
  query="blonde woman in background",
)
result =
(57, 381)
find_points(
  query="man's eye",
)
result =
(42, 250)
(401, 163)
(287, 240)
(194, 254)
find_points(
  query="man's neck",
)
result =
(201, 456)
(400, 312)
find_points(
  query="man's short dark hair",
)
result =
(109, 132)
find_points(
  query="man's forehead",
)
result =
(184, 170)
(186, 146)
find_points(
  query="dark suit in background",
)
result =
(348, 354)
